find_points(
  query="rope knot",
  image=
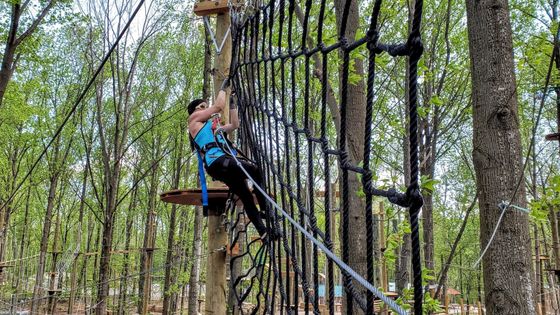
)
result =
(344, 42)
(397, 198)
(373, 37)
(415, 46)
(415, 199)
(366, 180)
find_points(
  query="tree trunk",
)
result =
(497, 153)
(539, 278)
(74, 278)
(105, 264)
(554, 230)
(123, 286)
(195, 267)
(171, 258)
(37, 290)
(355, 113)
(443, 275)
(56, 252)
(206, 82)
(147, 256)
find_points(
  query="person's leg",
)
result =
(225, 170)
(256, 174)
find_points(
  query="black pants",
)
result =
(225, 169)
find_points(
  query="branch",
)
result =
(35, 23)
(331, 100)
(443, 275)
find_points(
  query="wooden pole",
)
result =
(217, 232)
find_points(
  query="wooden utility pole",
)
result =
(217, 192)
(217, 231)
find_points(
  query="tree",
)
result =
(356, 111)
(13, 40)
(508, 279)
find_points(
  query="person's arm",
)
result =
(233, 121)
(204, 115)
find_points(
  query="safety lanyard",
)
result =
(202, 182)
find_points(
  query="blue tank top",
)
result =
(204, 137)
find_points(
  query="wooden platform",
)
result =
(208, 7)
(193, 196)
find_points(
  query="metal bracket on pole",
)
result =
(209, 28)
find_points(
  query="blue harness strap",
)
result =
(202, 183)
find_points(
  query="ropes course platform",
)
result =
(193, 196)
(209, 7)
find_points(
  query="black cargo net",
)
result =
(291, 139)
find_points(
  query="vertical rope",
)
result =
(413, 191)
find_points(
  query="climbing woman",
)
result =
(218, 161)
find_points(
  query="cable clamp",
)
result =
(504, 205)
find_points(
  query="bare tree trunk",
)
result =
(123, 286)
(37, 290)
(182, 252)
(145, 279)
(355, 113)
(171, 257)
(206, 82)
(104, 264)
(497, 153)
(443, 275)
(554, 231)
(402, 263)
(539, 283)
(196, 258)
(74, 278)
(55, 252)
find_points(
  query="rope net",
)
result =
(280, 52)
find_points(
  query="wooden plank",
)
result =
(208, 7)
(193, 196)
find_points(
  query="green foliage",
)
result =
(428, 184)
(395, 240)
